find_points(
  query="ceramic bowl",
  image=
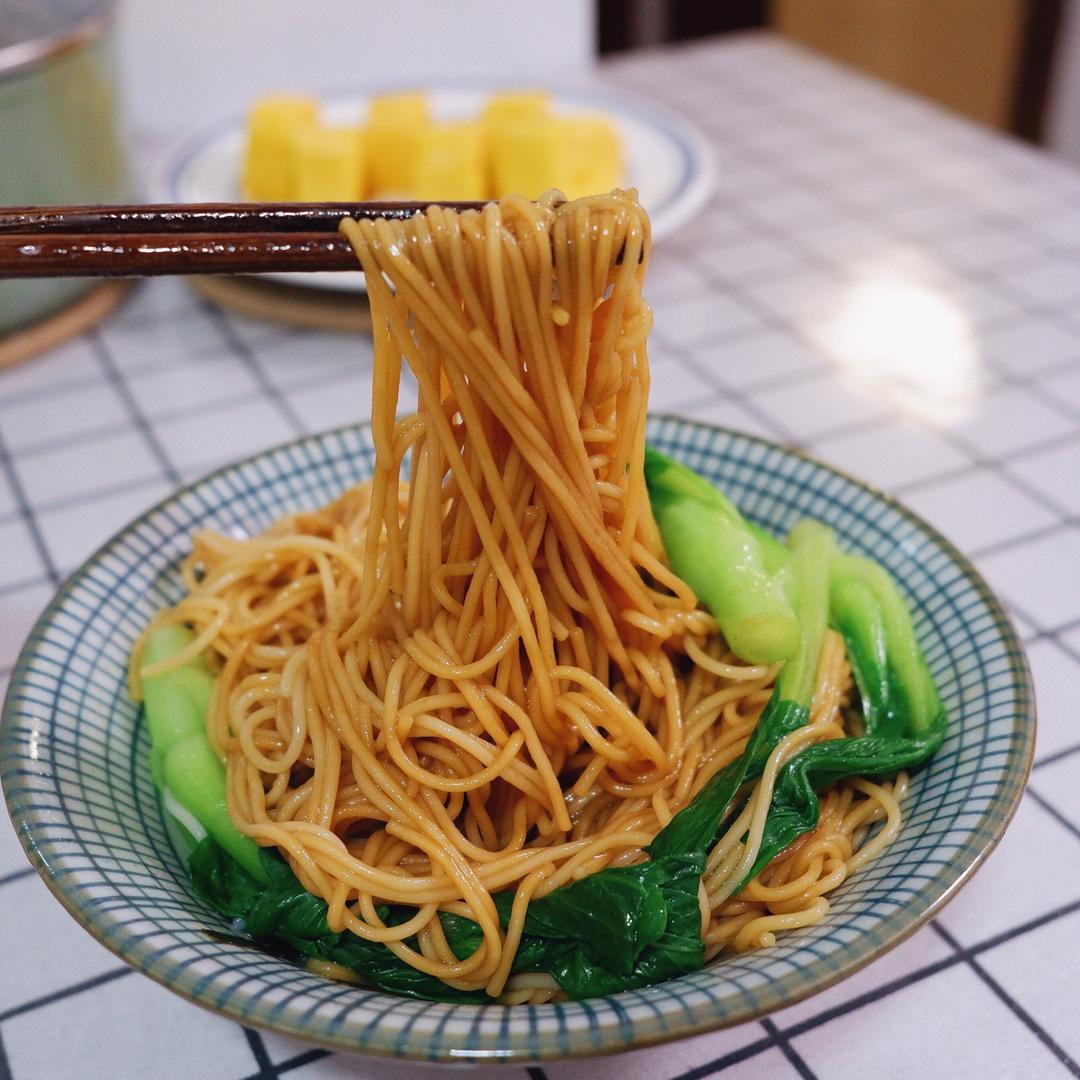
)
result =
(74, 759)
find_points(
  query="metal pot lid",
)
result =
(35, 30)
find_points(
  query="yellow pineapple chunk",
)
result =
(396, 124)
(268, 174)
(527, 157)
(580, 155)
(502, 114)
(328, 164)
(513, 105)
(594, 153)
(450, 162)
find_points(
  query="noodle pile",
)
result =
(486, 677)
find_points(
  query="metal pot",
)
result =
(60, 135)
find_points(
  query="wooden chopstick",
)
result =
(151, 254)
(196, 238)
(205, 217)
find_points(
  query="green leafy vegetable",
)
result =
(904, 720)
(464, 937)
(902, 712)
(678, 950)
(735, 570)
(612, 915)
(278, 911)
(897, 690)
(695, 826)
(183, 764)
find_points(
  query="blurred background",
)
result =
(1011, 64)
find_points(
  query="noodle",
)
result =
(486, 676)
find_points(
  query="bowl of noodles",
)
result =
(517, 726)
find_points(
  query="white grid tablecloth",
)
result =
(875, 281)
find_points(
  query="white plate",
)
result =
(667, 160)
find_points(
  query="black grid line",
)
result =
(59, 389)
(81, 438)
(728, 392)
(71, 384)
(921, 974)
(5, 1065)
(1059, 755)
(710, 1068)
(262, 1058)
(66, 992)
(980, 461)
(136, 321)
(1036, 387)
(1025, 928)
(1053, 311)
(777, 381)
(976, 467)
(1071, 624)
(247, 356)
(17, 875)
(1054, 812)
(138, 417)
(778, 165)
(995, 465)
(10, 587)
(322, 380)
(26, 513)
(1009, 1001)
(795, 1060)
(77, 438)
(869, 997)
(49, 506)
(308, 1057)
(1007, 543)
(1046, 633)
(726, 1061)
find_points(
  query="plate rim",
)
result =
(699, 161)
(982, 838)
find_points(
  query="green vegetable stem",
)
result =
(184, 766)
(735, 569)
(904, 719)
(788, 709)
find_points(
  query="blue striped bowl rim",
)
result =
(73, 762)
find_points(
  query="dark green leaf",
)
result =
(464, 937)
(795, 806)
(612, 914)
(221, 881)
(284, 916)
(677, 951)
(694, 827)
